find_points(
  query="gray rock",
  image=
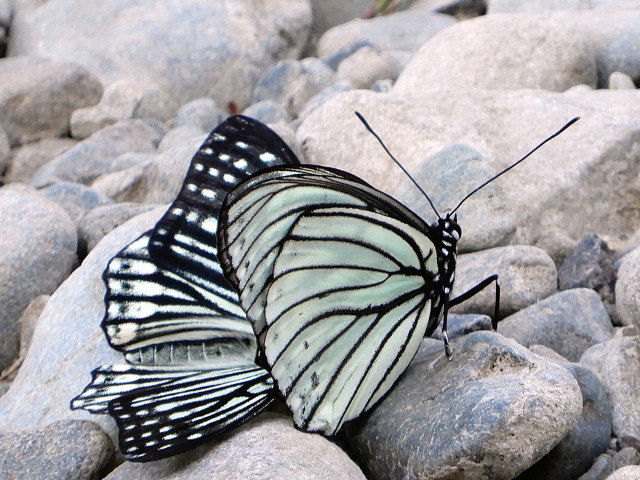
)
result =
(527, 275)
(459, 325)
(382, 86)
(333, 59)
(568, 322)
(120, 101)
(103, 219)
(202, 113)
(630, 472)
(626, 456)
(490, 412)
(364, 67)
(601, 468)
(628, 289)
(406, 30)
(617, 364)
(76, 199)
(37, 96)
(179, 136)
(322, 97)
(589, 265)
(329, 13)
(37, 252)
(291, 83)
(575, 454)
(480, 52)
(267, 111)
(93, 156)
(29, 320)
(267, 447)
(124, 185)
(556, 242)
(536, 6)
(70, 450)
(27, 159)
(620, 81)
(460, 169)
(176, 51)
(68, 342)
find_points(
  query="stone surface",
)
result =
(29, 320)
(601, 468)
(480, 53)
(526, 276)
(626, 456)
(620, 81)
(37, 252)
(202, 113)
(267, 447)
(176, 51)
(28, 158)
(406, 30)
(617, 364)
(630, 472)
(124, 185)
(68, 342)
(462, 324)
(568, 322)
(37, 96)
(628, 289)
(364, 67)
(589, 264)
(329, 13)
(267, 111)
(76, 199)
(490, 412)
(70, 450)
(556, 242)
(93, 156)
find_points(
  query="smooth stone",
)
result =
(119, 102)
(27, 159)
(620, 81)
(324, 96)
(29, 320)
(76, 199)
(479, 53)
(627, 290)
(179, 136)
(68, 342)
(556, 242)
(37, 252)
(66, 450)
(589, 264)
(617, 365)
(124, 185)
(568, 322)
(334, 59)
(267, 447)
(92, 157)
(601, 468)
(329, 13)
(491, 411)
(630, 472)
(526, 276)
(37, 96)
(267, 111)
(405, 30)
(202, 113)
(176, 52)
(536, 6)
(463, 324)
(626, 456)
(364, 67)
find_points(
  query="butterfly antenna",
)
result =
(359, 115)
(567, 125)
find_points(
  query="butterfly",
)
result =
(190, 351)
(341, 283)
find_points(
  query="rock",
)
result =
(459, 325)
(627, 289)
(176, 51)
(68, 342)
(617, 365)
(526, 275)
(322, 97)
(490, 412)
(69, 450)
(620, 81)
(480, 52)
(568, 322)
(291, 83)
(283, 453)
(364, 67)
(267, 111)
(536, 6)
(602, 467)
(124, 185)
(5, 152)
(589, 265)
(6, 11)
(575, 454)
(37, 96)
(329, 13)
(202, 113)
(626, 456)
(93, 156)
(37, 252)
(29, 320)
(28, 158)
(76, 199)
(556, 242)
(551, 189)
(120, 101)
(630, 472)
(405, 30)
(334, 59)
(103, 219)
(180, 136)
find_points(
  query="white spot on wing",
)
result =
(242, 145)
(213, 172)
(224, 157)
(208, 193)
(229, 178)
(240, 164)
(267, 157)
(208, 151)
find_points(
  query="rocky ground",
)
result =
(102, 105)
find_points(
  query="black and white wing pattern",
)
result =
(161, 411)
(340, 281)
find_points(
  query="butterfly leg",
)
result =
(476, 289)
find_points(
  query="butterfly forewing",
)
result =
(337, 281)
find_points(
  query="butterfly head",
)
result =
(450, 233)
